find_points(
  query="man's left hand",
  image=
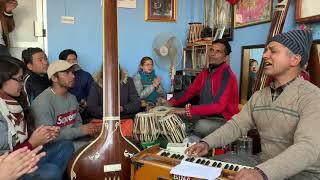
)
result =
(247, 174)
(178, 111)
(11, 5)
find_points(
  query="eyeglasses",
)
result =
(20, 80)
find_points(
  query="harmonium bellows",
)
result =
(155, 164)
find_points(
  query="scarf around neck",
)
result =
(12, 111)
(147, 80)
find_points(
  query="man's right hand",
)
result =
(11, 5)
(91, 128)
(199, 149)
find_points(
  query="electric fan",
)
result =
(167, 53)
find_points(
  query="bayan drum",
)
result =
(173, 128)
(146, 127)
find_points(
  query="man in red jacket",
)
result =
(217, 88)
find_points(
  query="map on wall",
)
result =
(127, 3)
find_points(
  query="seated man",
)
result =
(56, 106)
(36, 79)
(286, 114)
(218, 89)
(129, 100)
(83, 79)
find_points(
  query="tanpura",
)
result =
(108, 156)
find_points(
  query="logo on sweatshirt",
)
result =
(66, 118)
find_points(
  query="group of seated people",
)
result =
(285, 113)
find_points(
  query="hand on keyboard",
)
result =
(199, 149)
(247, 174)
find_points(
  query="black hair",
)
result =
(251, 61)
(9, 66)
(143, 60)
(65, 53)
(227, 47)
(27, 54)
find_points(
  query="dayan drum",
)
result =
(160, 111)
(173, 128)
(146, 127)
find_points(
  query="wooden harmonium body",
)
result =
(155, 164)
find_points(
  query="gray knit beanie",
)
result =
(298, 41)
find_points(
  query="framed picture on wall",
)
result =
(160, 10)
(307, 11)
(252, 12)
(219, 14)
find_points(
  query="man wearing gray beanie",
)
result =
(286, 114)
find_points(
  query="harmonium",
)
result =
(155, 164)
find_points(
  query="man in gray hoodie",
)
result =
(56, 106)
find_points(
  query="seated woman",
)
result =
(148, 85)
(129, 100)
(14, 116)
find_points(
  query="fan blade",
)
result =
(157, 51)
(170, 41)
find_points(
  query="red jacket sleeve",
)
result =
(191, 91)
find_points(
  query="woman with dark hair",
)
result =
(13, 125)
(148, 85)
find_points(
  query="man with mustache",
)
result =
(217, 87)
(286, 115)
(55, 106)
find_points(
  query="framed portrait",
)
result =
(252, 12)
(307, 11)
(161, 10)
(250, 61)
(219, 14)
(219, 33)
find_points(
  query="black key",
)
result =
(163, 154)
(236, 168)
(198, 161)
(192, 159)
(214, 164)
(203, 161)
(177, 156)
(231, 167)
(208, 162)
(188, 159)
(219, 165)
(181, 157)
(226, 166)
(173, 156)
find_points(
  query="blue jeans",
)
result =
(53, 165)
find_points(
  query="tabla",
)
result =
(146, 127)
(173, 128)
(160, 111)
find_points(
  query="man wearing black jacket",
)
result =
(36, 79)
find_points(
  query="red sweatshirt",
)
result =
(224, 99)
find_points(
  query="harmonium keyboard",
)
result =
(155, 164)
